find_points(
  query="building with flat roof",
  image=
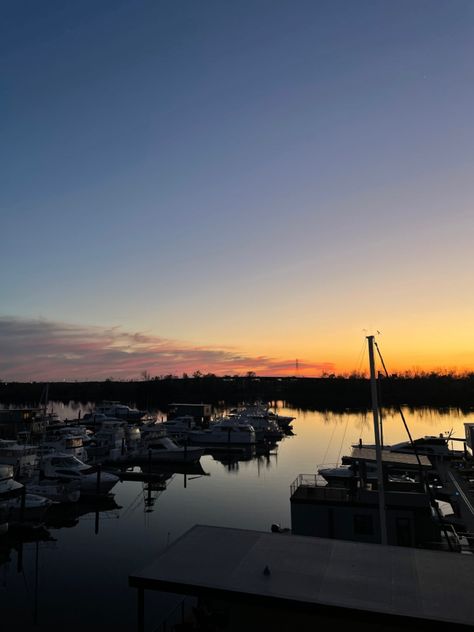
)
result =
(250, 580)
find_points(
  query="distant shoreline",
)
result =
(335, 393)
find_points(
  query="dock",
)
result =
(281, 576)
(459, 493)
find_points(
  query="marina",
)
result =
(150, 505)
(215, 215)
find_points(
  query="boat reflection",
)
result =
(231, 458)
(16, 539)
(155, 479)
(65, 516)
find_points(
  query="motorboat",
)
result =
(107, 443)
(258, 412)
(30, 510)
(65, 439)
(66, 467)
(283, 421)
(120, 411)
(22, 457)
(9, 490)
(55, 490)
(346, 475)
(95, 419)
(179, 426)
(164, 449)
(431, 446)
(223, 434)
(265, 429)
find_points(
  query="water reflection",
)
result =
(85, 552)
(66, 516)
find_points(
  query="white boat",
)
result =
(21, 456)
(16, 505)
(179, 426)
(224, 434)
(121, 411)
(30, 510)
(9, 490)
(57, 491)
(68, 440)
(284, 421)
(66, 467)
(157, 447)
(258, 412)
(107, 443)
(345, 475)
(431, 446)
(263, 426)
(112, 439)
(96, 419)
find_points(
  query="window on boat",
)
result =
(63, 461)
(65, 472)
(363, 525)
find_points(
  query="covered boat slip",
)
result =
(317, 580)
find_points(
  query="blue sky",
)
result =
(271, 176)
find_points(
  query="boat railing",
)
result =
(307, 480)
(327, 466)
(312, 485)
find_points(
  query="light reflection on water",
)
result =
(82, 575)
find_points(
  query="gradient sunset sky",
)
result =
(230, 185)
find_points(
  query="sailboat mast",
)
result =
(378, 450)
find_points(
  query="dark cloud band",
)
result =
(46, 350)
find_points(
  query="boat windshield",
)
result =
(66, 461)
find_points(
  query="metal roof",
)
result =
(383, 580)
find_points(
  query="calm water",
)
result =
(78, 576)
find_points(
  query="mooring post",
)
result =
(22, 504)
(19, 565)
(141, 610)
(99, 468)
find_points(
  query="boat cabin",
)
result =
(352, 512)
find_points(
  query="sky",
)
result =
(230, 186)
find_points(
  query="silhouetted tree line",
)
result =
(329, 392)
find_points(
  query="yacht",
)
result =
(430, 446)
(346, 475)
(30, 510)
(179, 426)
(237, 433)
(21, 456)
(65, 439)
(55, 490)
(107, 443)
(9, 490)
(66, 467)
(157, 447)
(120, 411)
(259, 413)
(263, 426)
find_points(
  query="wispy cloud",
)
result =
(46, 350)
